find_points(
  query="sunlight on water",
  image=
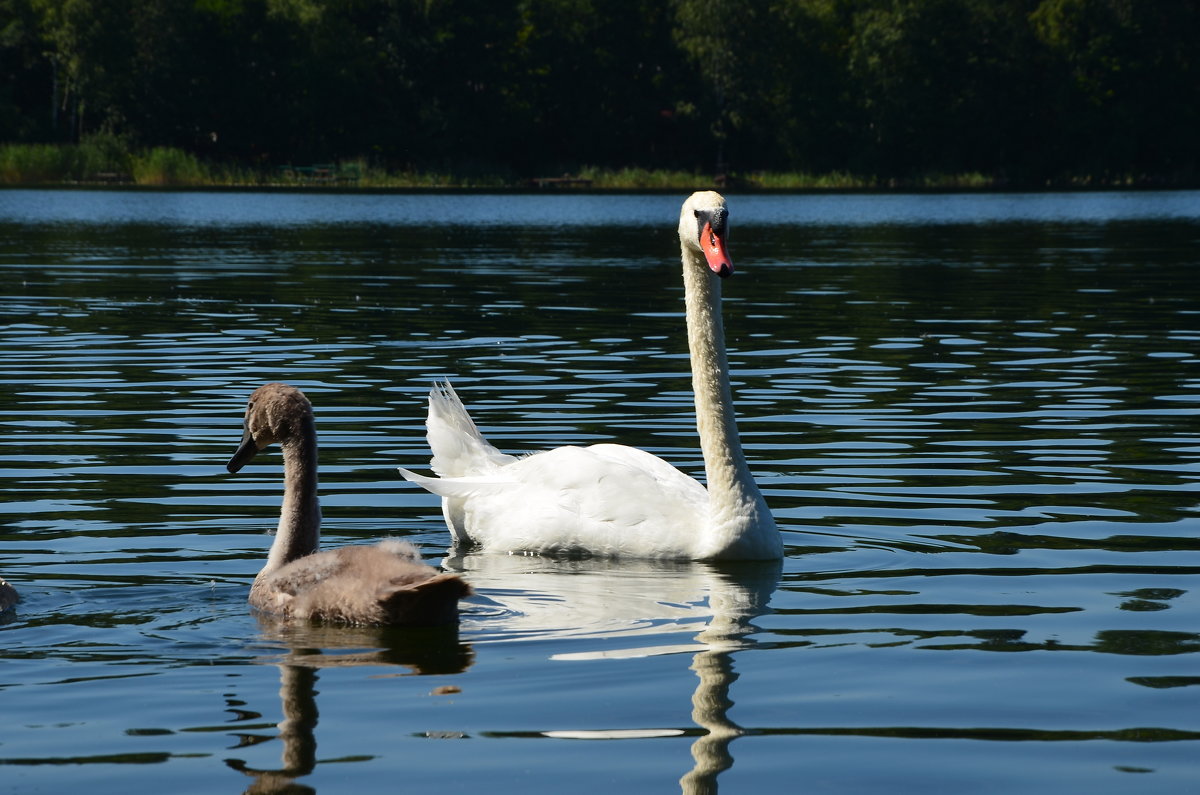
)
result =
(974, 417)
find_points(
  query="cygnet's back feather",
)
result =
(381, 584)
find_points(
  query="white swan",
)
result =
(609, 499)
(381, 584)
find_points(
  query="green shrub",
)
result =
(167, 166)
(633, 178)
(101, 155)
(802, 180)
(34, 163)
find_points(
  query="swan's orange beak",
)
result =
(713, 246)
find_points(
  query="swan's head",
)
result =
(275, 413)
(704, 227)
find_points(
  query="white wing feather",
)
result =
(458, 447)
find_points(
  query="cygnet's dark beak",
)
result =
(246, 451)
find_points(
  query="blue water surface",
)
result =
(976, 419)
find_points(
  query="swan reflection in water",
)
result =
(625, 606)
(634, 600)
(310, 647)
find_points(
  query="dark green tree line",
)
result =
(1019, 90)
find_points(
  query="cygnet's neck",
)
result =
(735, 502)
(299, 532)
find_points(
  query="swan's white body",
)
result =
(609, 499)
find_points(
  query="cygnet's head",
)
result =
(276, 413)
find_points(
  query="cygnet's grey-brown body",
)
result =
(385, 583)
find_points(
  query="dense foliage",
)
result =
(1020, 90)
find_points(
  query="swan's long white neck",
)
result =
(299, 531)
(739, 517)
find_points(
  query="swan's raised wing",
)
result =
(459, 449)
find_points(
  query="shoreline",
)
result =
(733, 190)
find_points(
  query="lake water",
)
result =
(976, 419)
